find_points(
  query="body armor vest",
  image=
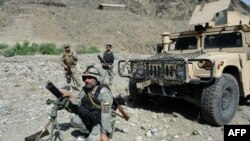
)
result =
(108, 57)
(69, 58)
(90, 114)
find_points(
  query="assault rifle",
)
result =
(68, 70)
(121, 109)
(116, 103)
(68, 74)
(104, 64)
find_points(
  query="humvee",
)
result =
(208, 65)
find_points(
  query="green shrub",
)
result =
(88, 50)
(3, 46)
(59, 51)
(27, 48)
(24, 49)
(93, 50)
(49, 48)
(9, 52)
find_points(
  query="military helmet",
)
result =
(65, 45)
(91, 71)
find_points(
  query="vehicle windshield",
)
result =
(227, 40)
(184, 43)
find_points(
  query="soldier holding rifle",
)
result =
(107, 63)
(69, 62)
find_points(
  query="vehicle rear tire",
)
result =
(135, 96)
(219, 100)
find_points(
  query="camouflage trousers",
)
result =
(74, 75)
(95, 133)
(110, 75)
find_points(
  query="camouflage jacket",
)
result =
(69, 59)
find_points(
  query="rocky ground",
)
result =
(23, 109)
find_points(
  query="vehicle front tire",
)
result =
(220, 100)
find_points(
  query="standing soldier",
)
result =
(94, 107)
(108, 57)
(69, 62)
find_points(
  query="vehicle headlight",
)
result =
(180, 71)
(140, 72)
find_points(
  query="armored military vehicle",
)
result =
(208, 66)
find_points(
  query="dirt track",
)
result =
(23, 110)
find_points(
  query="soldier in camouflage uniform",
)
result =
(108, 57)
(95, 106)
(69, 61)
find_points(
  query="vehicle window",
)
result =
(227, 40)
(184, 43)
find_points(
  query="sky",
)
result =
(246, 1)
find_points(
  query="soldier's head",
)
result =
(66, 47)
(91, 77)
(108, 47)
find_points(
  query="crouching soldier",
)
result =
(94, 107)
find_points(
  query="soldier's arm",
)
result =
(113, 57)
(75, 55)
(103, 54)
(74, 99)
(80, 96)
(62, 62)
(106, 103)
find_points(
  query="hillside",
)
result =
(79, 22)
(134, 31)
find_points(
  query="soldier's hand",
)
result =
(104, 137)
(66, 93)
(105, 66)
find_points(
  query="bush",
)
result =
(27, 48)
(88, 50)
(24, 49)
(93, 50)
(49, 48)
(9, 52)
(3, 46)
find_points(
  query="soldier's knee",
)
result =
(75, 121)
(94, 136)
